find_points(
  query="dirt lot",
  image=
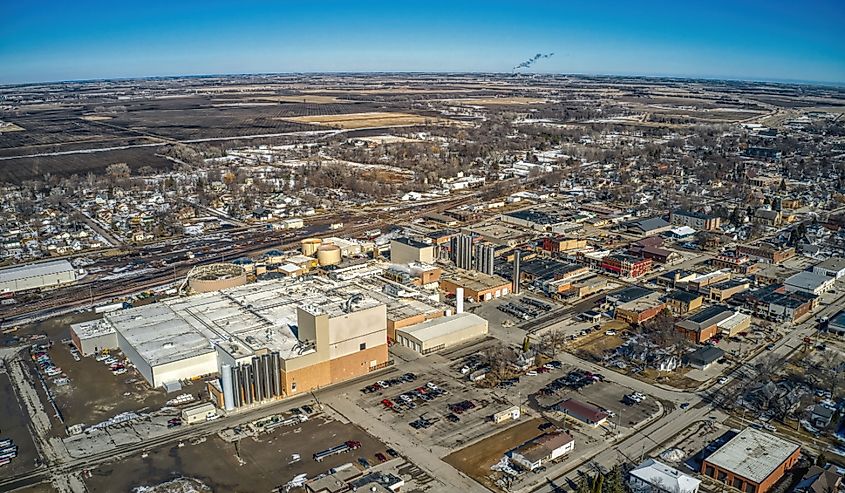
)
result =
(19, 169)
(304, 98)
(95, 394)
(476, 459)
(365, 120)
(38, 488)
(14, 425)
(263, 464)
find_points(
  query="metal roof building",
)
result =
(439, 333)
(36, 276)
(653, 476)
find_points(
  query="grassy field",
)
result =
(475, 460)
(373, 119)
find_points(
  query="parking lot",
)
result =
(435, 410)
(14, 426)
(264, 462)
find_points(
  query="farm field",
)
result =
(499, 101)
(366, 120)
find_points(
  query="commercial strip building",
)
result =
(626, 265)
(833, 267)
(766, 253)
(774, 302)
(266, 340)
(656, 477)
(638, 311)
(545, 448)
(752, 461)
(704, 324)
(682, 302)
(440, 333)
(42, 275)
(724, 290)
(582, 411)
(809, 282)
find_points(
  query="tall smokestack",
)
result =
(459, 300)
(516, 271)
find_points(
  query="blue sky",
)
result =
(773, 40)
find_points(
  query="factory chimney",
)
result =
(459, 300)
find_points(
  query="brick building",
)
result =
(752, 461)
(626, 265)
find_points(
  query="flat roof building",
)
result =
(704, 324)
(752, 461)
(407, 250)
(656, 477)
(832, 267)
(319, 332)
(93, 336)
(478, 286)
(439, 333)
(809, 282)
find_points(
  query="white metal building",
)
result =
(36, 276)
(93, 336)
(655, 477)
(164, 346)
(304, 323)
(543, 449)
(198, 413)
(439, 333)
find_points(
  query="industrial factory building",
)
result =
(440, 333)
(407, 250)
(42, 275)
(267, 340)
(93, 336)
(476, 285)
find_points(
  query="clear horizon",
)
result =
(745, 41)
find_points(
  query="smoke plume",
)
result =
(528, 63)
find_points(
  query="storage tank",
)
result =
(214, 277)
(328, 255)
(310, 246)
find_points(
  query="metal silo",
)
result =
(226, 385)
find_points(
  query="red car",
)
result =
(387, 403)
(381, 457)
